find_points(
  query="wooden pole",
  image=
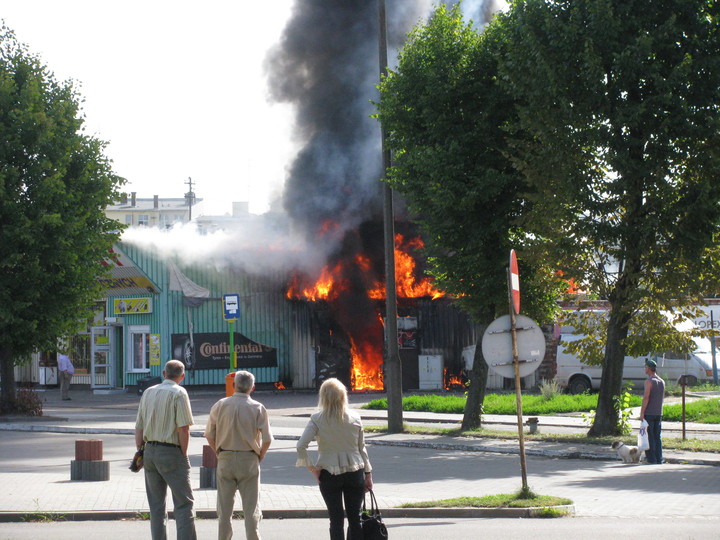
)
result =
(518, 392)
(393, 367)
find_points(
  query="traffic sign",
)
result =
(231, 307)
(515, 281)
(497, 346)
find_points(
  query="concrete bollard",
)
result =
(208, 469)
(532, 423)
(88, 464)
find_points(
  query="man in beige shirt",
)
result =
(238, 430)
(163, 425)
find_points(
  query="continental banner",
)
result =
(211, 351)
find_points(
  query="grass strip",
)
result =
(500, 404)
(704, 411)
(505, 500)
(689, 445)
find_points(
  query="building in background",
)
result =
(159, 212)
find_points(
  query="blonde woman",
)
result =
(342, 469)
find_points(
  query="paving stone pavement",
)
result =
(34, 468)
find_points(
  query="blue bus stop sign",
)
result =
(231, 307)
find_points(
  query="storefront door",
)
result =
(102, 371)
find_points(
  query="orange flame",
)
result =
(366, 372)
(450, 381)
(325, 288)
(279, 385)
(406, 284)
(366, 353)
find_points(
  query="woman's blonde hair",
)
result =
(333, 399)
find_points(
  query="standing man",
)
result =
(651, 411)
(163, 424)
(238, 430)
(66, 370)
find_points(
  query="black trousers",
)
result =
(347, 487)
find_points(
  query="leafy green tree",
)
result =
(618, 132)
(54, 185)
(444, 112)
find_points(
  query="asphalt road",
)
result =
(398, 529)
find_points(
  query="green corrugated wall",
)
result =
(265, 317)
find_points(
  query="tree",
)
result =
(444, 112)
(54, 185)
(618, 131)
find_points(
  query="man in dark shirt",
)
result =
(651, 411)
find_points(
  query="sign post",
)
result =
(231, 313)
(514, 301)
(712, 349)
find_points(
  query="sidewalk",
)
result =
(410, 467)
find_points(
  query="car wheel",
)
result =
(579, 385)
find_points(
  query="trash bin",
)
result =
(147, 382)
(229, 384)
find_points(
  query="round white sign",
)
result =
(497, 346)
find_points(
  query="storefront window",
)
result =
(140, 348)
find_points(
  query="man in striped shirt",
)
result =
(163, 425)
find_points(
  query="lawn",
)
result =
(501, 404)
(705, 411)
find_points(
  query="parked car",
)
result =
(578, 377)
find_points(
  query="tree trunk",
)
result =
(472, 415)
(607, 414)
(7, 372)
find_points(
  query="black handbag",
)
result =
(371, 520)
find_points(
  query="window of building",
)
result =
(144, 219)
(128, 219)
(139, 347)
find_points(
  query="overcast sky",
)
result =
(175, 87)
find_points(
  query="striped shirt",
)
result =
(164, 408)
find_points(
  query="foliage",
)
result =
(648, 332)
(617, 130)
(501, 404)
(28, 402)
(430, 108)
(54, 185)
(624, 409)
(448, 163)
(705, 411)
(550, 389)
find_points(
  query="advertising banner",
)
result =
(211, 351)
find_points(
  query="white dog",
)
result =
(629, 454)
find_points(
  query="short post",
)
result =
(208, 469)
(88, 464)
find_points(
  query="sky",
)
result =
(176, 88)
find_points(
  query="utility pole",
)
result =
(393, 367)
(190, 197)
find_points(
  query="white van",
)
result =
(578, 377)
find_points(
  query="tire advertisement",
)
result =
(211, 351)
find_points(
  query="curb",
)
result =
(557, 454)
(307, 513)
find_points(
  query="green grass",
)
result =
(676, 389)
(504, 500)
(690, 445)
(705, 411)
(501, 404)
